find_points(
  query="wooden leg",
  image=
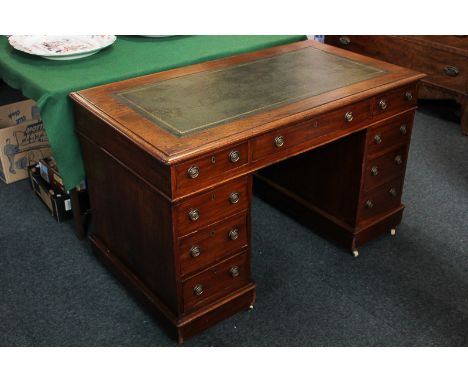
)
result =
(464, 116)
(80, 227)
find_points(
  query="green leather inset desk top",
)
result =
(195, 102)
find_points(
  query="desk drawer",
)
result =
(212, 206)
(381, 199)
(198, 172)
(444, 68)
(385, 167)
(395, 101)
(434, 56)
(394, 132)
(286, 138)
(205, 247)
(217, 281)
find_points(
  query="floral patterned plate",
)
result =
(61, 47)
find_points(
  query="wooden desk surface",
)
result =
(192, 110)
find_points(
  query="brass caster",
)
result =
(393, 231)
(355, 253)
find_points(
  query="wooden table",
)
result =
(170, 160)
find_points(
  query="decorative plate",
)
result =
(61, 47)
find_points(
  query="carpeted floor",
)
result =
(408, 290)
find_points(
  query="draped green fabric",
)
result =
(49, 82)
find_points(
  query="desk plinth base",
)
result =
(186, 326)
(321, 222)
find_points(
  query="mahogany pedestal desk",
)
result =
(170, 159)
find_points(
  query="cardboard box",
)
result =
(20, 146)
(59, 205)
(18, 112)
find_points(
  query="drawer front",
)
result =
(394, 132)
(382, 199)
(212, 206)
(383, 168)
(445, 68)
(366, 45)
(197, 173)
(212, 243)
(217, 281)
(395, 101)
(286, 138)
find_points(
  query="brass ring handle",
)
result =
(374, 171)
(279, 141)
(403, 129)
(392, 192)
(398, 160)
(234, 156)
(383, 104)
(198, 289)
(451, 71)
(345, 40)
(194, 214)
(195, 251)
(234, 271)
(234, 198)
(233, 234)
(193, 172)
(349, 116)
(378, 139)
(408, 95)
(369, 204)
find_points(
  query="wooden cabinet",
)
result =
(171, 194)
(443, 58)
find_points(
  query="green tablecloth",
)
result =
(49, 82)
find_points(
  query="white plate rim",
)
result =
(16, 45)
